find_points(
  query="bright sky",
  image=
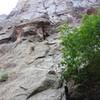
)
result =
(7, 5)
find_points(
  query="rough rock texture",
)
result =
(55, 10)
(30, 50)
(27, 64)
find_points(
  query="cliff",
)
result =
(30, 50)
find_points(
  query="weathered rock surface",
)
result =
(32, 64)
(55, 10)
(28, 70)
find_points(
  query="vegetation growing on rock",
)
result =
(81, 50)
(3, 77)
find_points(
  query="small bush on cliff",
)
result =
(81, 50)
(3, 76)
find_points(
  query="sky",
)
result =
(6, 6)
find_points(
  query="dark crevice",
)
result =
(67, 96)
(8, 40)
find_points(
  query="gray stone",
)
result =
(28, 61)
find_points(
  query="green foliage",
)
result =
(3, 76)
(81, 49)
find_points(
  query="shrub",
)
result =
(81, 50)
(3, 77)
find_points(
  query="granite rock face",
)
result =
(30, 49)
(56, 10)
(27, 64)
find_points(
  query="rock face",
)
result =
(30, 50)
(56, 10)
(28, 64)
